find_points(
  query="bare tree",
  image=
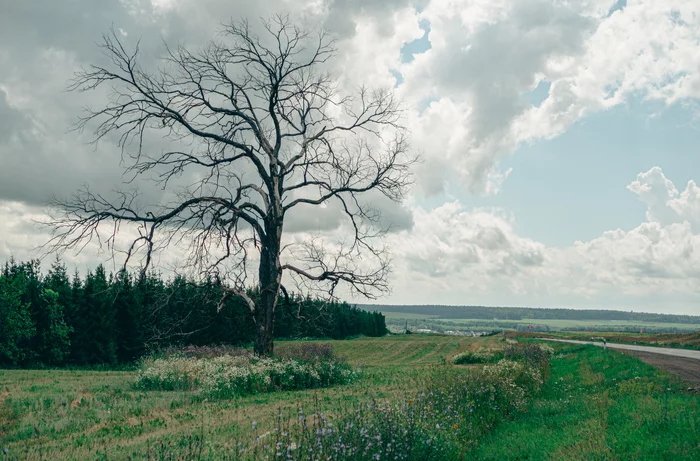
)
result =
(267, 131)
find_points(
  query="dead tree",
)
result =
(268, 131)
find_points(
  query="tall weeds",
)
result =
(449, 414)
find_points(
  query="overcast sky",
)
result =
(560, 139)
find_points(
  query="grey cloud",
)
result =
(489, 70)
(394, 217)
(313, 218)
(12, 121)
(492, 238)
(342, 14)
(42, 43)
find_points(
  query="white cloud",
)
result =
(486, 55)
(665, 204)
(453, 255)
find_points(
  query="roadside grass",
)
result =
(677, 340)
(601, 405)
(64, 414)
(674, 340)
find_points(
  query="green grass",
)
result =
(602, 405)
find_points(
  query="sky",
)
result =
(559, 140)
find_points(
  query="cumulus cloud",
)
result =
(485, 56)
(478, 254)
(448, 240)
(665, 204)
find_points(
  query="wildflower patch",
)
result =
(449, 415)
(239, 374)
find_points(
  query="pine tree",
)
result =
(129, 319)
(98, 311)
(16, 326)
(78, 323)
(53, 340)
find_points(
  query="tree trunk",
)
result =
(264, 329)
(270, 274)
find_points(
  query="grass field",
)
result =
(617, 403)
(397, 320)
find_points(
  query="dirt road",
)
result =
(682, 362)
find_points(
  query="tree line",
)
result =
(55, 319)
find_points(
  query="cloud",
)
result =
(486, 56)
(665, 204)
(454, 255)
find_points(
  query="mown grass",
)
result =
(63, 414)
(602, 405)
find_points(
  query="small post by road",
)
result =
(605, 343)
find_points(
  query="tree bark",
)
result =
(270, 275)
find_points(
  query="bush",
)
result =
(308, 352)
(534, 355)
(464, 358)
(237, 373)
(205, 352)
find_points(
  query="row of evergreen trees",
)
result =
(56, 320)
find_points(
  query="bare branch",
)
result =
(263, 130)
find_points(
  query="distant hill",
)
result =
(529, 313)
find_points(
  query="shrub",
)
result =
(308, 352)
(205, 352)
(516, 381)
(534, 355)
(237, 373)
(476, 357)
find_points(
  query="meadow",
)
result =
(595, 405)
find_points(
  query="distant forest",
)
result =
(528, 313)
(54, 319)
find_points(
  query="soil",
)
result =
(687, 369)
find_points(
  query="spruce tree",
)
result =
(16, 325)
